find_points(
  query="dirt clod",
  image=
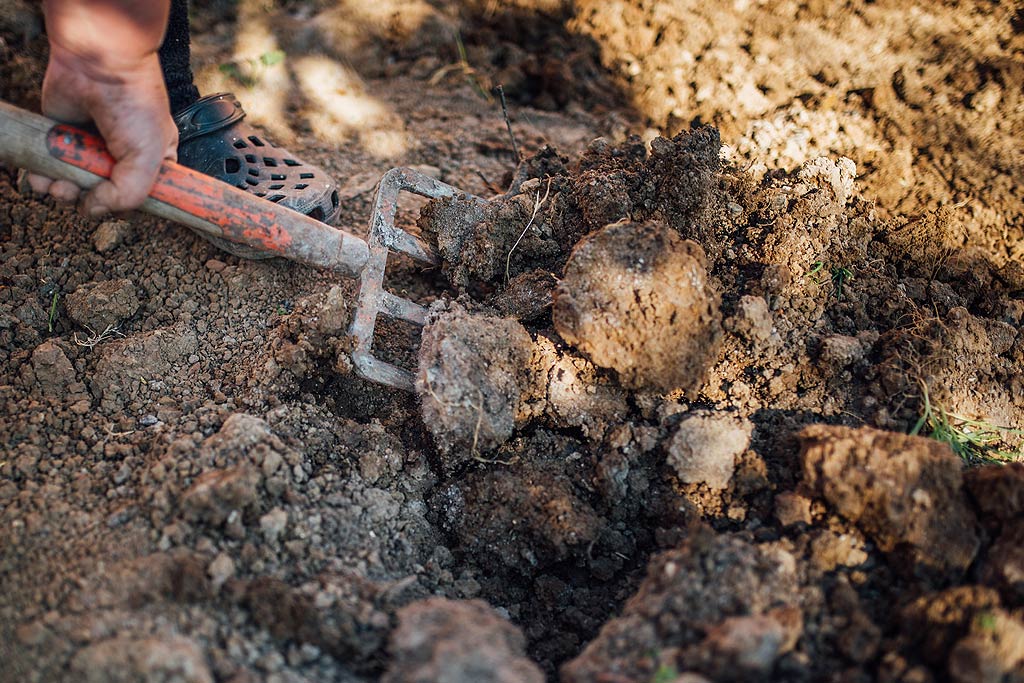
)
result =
(905, 492)
(473, 372)
(934, 622)
(1003, 567)
(51, 367)
(124, 659)
(574, 394)
(636, 298)
(992, 651)
(457, 642)
(554, 521)
(689, 592)
(110, 235)
(997, 490)
(527, 297)
(705, 447)
(103, 305)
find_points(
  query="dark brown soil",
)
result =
(194, 486)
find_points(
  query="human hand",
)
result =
(127, 102)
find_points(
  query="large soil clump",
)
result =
(636, 298)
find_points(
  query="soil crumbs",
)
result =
(673, 399)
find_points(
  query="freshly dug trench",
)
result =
(636, 298)
(473, 372)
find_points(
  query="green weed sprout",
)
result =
(666, 673)
(975, 441)
(53, 311)
(838, 275)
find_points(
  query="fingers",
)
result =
(63, 190)
(129, 184)
(39, 184)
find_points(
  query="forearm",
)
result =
(106, 34)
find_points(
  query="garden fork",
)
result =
(184, 196)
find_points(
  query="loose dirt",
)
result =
(725, 476)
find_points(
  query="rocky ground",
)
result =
(713, 387)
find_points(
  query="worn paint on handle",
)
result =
(240, 219)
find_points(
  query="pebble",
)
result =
(273, 523)
(705, 448)
(221, 569)
(110, 235)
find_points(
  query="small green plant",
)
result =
(249, 72)
(52, 318)
(666, 673)
(976, 441)
(839, 276)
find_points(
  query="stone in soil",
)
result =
(473, 373)
(718, 605)
(905, 492)
(123, 658)
(636, 298)
(98, 306)
(110, 235)
(705, 447)
(457, 642)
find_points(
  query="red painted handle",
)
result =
(181, 187)
(241, 216)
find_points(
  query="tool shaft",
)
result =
(42, 146)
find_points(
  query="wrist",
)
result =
(106, 35)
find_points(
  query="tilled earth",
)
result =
(664, 401)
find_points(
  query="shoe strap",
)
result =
(208, 114)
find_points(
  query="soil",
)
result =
(794, 232)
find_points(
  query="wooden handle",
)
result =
(180, 194)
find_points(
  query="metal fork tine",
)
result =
(373, 299)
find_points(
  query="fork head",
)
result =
(373, 299)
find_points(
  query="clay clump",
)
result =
(705, 447)
(636, 298)
(103, 305)
(460, 642)
(473, 373)
(903, 491)
(717, 605)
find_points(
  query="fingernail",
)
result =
(98, 210)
